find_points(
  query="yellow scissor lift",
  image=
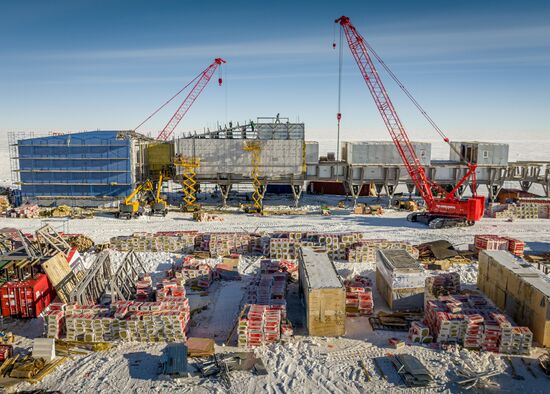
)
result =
(189, 166)
(255, 148)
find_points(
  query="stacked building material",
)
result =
(224, 244)
(161, 321)
(283, 248)
(196, 273)
(359, 299)
(444, 283)
(146, 242)
(24, 211)
(170, 288)
(365, 250)
(496, 242)
(472, 322)
(54, 320)
(259, 325)
(419, 333)
(524, 208)
(144, 288)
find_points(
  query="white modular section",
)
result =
(312, 152)
(382, 152)
(225, 156)
(482, 153)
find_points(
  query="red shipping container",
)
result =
(27, 298)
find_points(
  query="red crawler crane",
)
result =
(444, 209)
(202, 80)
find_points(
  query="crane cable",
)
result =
(169, 100)
(413, 100)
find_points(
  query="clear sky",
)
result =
(480, 68)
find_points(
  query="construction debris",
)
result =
(4, 204)
(411, 370)
(81, 242)
(200, 347)
(27, 211)
(202, 216)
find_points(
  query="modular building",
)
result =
(323, 292)
(86, 168)
(481, 153)
(228, 157)
(382, 152)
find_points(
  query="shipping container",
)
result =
(28, 298)
(481, 153)
(382, 152)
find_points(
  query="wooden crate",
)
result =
(324, 294)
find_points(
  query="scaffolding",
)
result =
(189, 183)
(255, 149)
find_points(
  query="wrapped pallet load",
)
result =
(400, 280)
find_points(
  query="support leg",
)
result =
(225, 190)
(297, 193)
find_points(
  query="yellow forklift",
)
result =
(132, 206)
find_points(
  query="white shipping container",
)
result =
(382, 152)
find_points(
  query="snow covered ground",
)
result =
(303, 364)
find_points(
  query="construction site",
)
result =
(249, 258)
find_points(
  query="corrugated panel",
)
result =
(91, 164)
(278, 157)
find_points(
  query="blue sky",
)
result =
(480, 68)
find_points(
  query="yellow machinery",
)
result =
(190, 186)
(159, 206)
(132, 207)
(255, 148)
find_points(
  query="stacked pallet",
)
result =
(146, 242)
(259, 325)
(283, 248)
(224, 244)
(359, 298)
(528, 208)
(496, 242)
(144, 288)
(170, 288)
(419, 333)
(365, 250)
(164, 321)
(54, 320)
(472, 322)
(26, 210)
(442, 284)
(196, 273)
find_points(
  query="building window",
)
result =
(485, 154)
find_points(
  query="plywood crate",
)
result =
(323, 292)
(519, 289)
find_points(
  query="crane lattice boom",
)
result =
(201, 83)
(448, 205)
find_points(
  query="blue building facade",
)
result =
(96, 164)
